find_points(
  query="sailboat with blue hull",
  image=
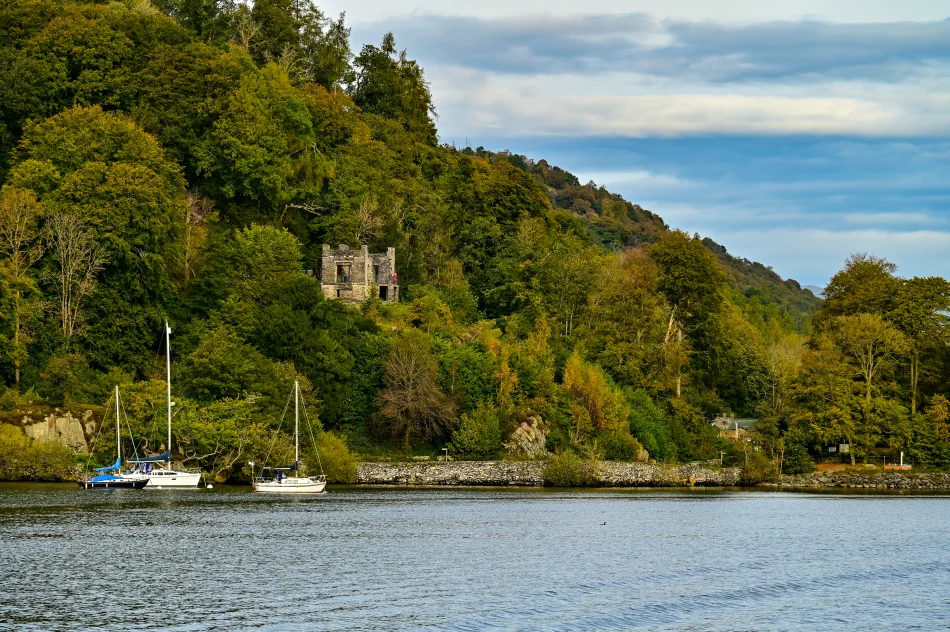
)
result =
(111, 476)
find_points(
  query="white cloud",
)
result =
(637, 75)
(884, 219)
(616, 104)
(734, 10)
(639, 178)
(867, 79)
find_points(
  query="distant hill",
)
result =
(760, 285)
(616, 223)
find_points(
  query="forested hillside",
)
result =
(187, 159)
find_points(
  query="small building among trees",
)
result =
(356, 275)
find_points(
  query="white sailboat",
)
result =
(145, 467)
(284, 479)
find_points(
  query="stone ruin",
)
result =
(356, 275)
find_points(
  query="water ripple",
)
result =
(466, 560)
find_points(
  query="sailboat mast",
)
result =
(296, 423)
(118, 431)
(168, 367)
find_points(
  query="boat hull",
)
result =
(162, 479)
(291, 486)
(119, 484)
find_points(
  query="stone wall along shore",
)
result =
(616, 474)
(522, 473)
(531, 474)
(869, 480)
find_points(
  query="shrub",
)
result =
(569, 470)
(650, 425)
(797, 460)
(9, 400)
(478, 435)
(620, 446)
(51, 461)
(25, 459)
(13, 448)
(757, 469)
(339, 462)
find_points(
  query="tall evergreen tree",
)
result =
(393, 86)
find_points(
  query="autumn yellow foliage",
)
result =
(606, 406)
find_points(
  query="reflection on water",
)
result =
(452, 559)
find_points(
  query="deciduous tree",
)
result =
(79, 258)
(922, 313)
(22, 245)
(411, 402)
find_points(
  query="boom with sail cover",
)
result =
(114, 466)
(161, 458)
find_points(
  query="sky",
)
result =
(793, 133)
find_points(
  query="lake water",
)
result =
(454, 559)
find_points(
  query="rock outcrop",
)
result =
(64, 427)
(529, 439)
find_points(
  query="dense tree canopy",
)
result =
(187, 159)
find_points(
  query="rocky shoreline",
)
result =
(617, 474)
(867, 480)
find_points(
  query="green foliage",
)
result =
(628, 324)
(602, 403)
(796, 459)
(257, 144)
(394, 87)
(567, 469)
(205, 152)
(690, 279)
(339, 463)
(266, 258)
(651, 425)
(323, 339)
(209, 19)
(26, 459)
(695, 438)
(65, 379)
(478, 435)
(620, 446)
(224, 435)
(279, 24)
(866, 284)
(466, 374)
(223, 366)
(757, 468)
(773, 305)
(115, 178)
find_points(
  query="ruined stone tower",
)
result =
(356, 275)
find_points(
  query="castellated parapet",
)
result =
(356, 275)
